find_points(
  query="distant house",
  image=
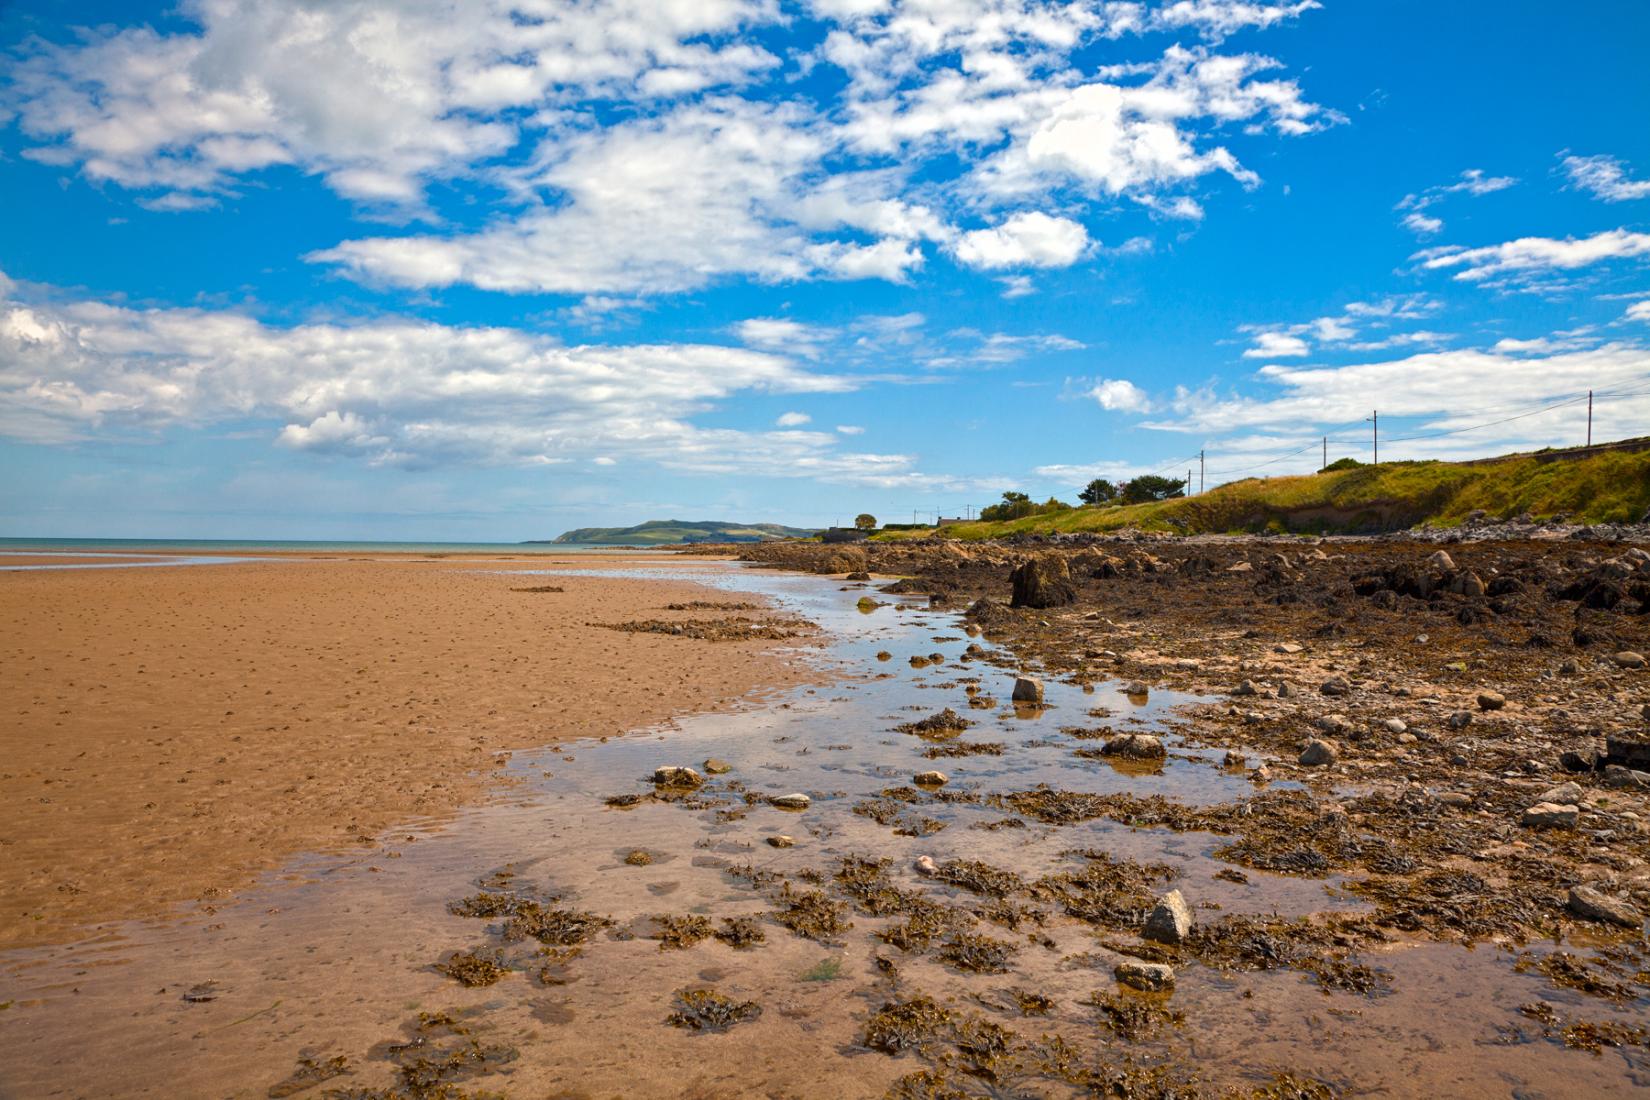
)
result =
(843, 534)
(946, 520)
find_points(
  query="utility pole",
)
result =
(1325, 465)
(1200, 473)
(1188, 482)
(1589, 418)
(1375, 434)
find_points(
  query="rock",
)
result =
(925, 866)
(1234, 759)
(1318, 753)
(1240, 567)
(1332, 724)
(1336, 685)
(1135, 746)
(859, 575)
(930, 779)
(672, 776)
(1565, 794)
(1570, 667)
(1407, 739)
(1441, 560)
(1135, 687)
(1455, 799)
(717, 766)
(1595, 905)
(1395, 725)
(796, 800)
(1621, 778)
(1491, 700)
(1286, 690)
(1460, 720)
(780, 840)
(1576, 762)
(1468, 584)
(1548, 815)
(1288, 649)
(1170, 921)
(1042, 582)
(1629, 659)
(1246, 688)
(1028, 690)
(1144, 976)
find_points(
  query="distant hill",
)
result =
(1610, 484)
(662, 532)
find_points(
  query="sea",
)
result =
(253, 546)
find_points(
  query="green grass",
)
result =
(1613, 487)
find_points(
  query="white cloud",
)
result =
(1119, 395)
(1277, 345)
(1605, 178)
(783, 335)
(1031, 239)
(1422, 224)
(850, 429)
(1535, 254)
(1296, 341)
(793, 419)
(1638, 311)
(1218, 18)
(1474, 181)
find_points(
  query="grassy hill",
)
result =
(1609, 487)
(663, 532)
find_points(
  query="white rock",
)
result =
(930, 779)
(796, 800)
(1170, 920)
(1548, 815)
(1145, 976)
(926, 867)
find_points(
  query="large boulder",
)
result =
(1170, 921)
(1595, 905)
(1042, 582)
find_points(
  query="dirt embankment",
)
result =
(168, 732)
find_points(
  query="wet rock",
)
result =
(1134, 746)
(926, 867)
(1548, 815)
(859, 575)
(671, 775)
(930, 779)
(1491, 700)
(1318, 753)
(1441, 561)
(1595, 905)
(780, 840)
(1136, 688)
(1042, 582)
(793, 801)
(1627, 658)
(1170, 920)
(1246, 688)
(1027, 689)
(1234, 759)
(717, 766)
(1145, 976)
(1336, 685)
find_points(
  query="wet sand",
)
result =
(169, 732)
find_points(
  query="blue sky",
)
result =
(490, 270)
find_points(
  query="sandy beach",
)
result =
(170, 732)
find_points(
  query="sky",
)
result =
(423, 269)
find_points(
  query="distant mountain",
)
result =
(661, 532)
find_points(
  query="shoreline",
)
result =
(177, 732)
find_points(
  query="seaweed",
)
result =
(740, 932)
(941, 726)
(553, 927)
(976, 954)
(811, 914)
(682, 932)
(476, 967)
(978, 877)
(905, 1025)
(1134, 1016)
(708, 1010)
(310, 1072)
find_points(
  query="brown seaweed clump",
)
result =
(733, 628)
(708, 1010)
(979, 878)
(937, 727)
(740, 932)
(311, 1071)
(976, 954)
(811, 914)
(681, 933)
(553, 927)
(441, 1053)
(476, 967)
(925, 1085)
(905, 1025)
(541, 588)
(1134, 1017)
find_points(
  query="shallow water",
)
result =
(334, 956)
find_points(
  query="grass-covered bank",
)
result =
(1612, 487)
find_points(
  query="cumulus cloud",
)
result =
(1638, 311)
(793, 419)
(1342, 331)
(1535, 255)
(850, 429)
(1030, 239)
(1119, 395)
(1604, 178)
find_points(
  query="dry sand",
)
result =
(169, 732)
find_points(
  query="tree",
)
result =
(1098, 491)
(1150, 487)
(865, 521)
(1014, 506)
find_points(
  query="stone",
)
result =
(1570, 667)
(930, 779)
(1621, 778)
(1491, 700)
(1572, 761)
(1135, 687)
(1144, 976)
(1042, 582)
(1028, 690)
(1455, 799)
(1135, 746)
(1170, 920)
(673, 776)
(1286, 690)
(1565, 794)
(925, 866)
(1336, 685)
(1288, 649)
(1441, 560)
(1595, 905)
(1460, 720)
(859, 575)
(1234, 759)
(1395, 725)
(780, 840)
(1332, 723)
(1246, 688)
(717, 766)
(1240, 567)
(1548, 815)
(1470, 585)
(1629, 659)
(1318, 753)
(796, 800)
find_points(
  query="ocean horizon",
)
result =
(330, 545)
